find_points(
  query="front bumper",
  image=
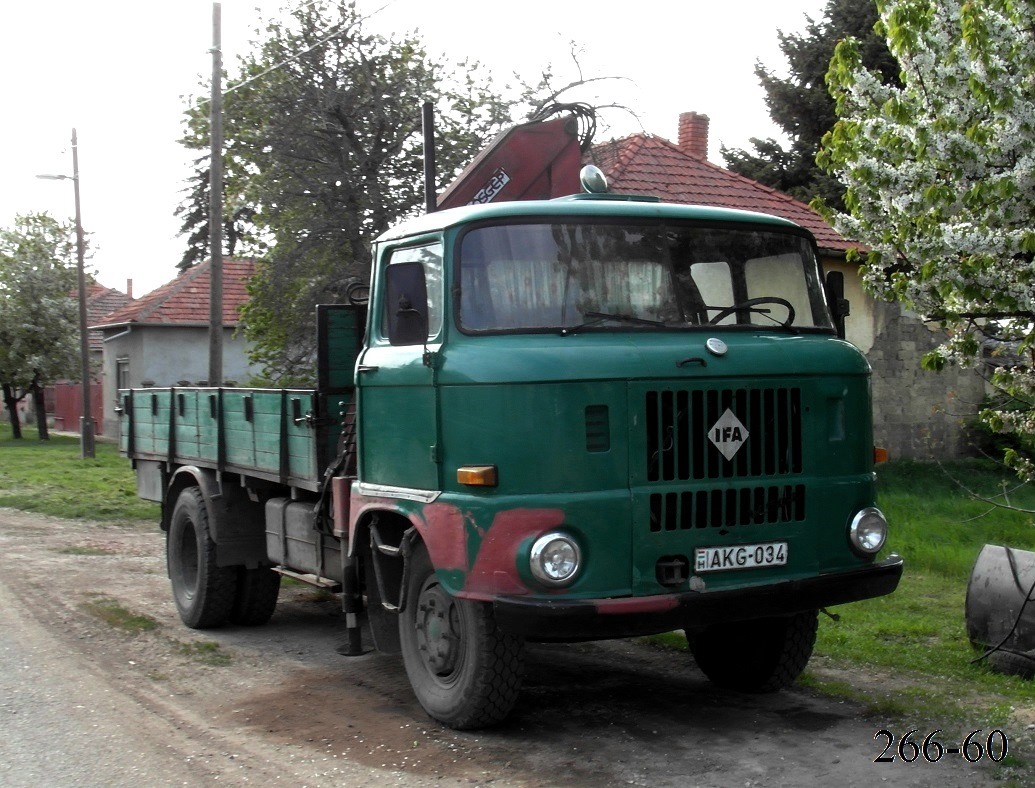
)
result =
(598, 619)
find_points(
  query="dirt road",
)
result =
(84, 702)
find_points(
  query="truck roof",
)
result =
(588, 205)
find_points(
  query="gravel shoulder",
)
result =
(87, 703)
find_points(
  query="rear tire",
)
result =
(763, 655)
(203, 591)
(257, 592)
(465, 672)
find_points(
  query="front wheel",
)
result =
(465, 672)
(762, 655)
(203, 591)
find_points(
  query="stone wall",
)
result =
(918, 414)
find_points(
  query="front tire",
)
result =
(465, 672)
(762, 655)
(203, 591)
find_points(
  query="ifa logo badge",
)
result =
(728, 434)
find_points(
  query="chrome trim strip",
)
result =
(405, 493)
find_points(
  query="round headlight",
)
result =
(868, 530)
(555, 559)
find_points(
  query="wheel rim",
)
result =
(188, 561)
(440, 633)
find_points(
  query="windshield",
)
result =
(592, 276)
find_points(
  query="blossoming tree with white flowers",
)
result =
(940, 186)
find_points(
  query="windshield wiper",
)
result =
(596, 318)
(752, 306)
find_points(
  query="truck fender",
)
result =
(237, 523)
(381, 541)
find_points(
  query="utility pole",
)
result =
(215, 208)
(86, 420)
(86, 431)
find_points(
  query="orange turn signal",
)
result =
(880, 455)
(477, 475)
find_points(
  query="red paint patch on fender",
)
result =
(445, 535)
(495, 570)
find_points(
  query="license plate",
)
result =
(743, 556)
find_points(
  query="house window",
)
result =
(122, 373)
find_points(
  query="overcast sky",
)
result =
(117, 72)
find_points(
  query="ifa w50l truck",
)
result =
(552, 420)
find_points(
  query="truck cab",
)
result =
(599, 417)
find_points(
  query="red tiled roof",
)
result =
(185, 300)
(644, 164)
(101, 301)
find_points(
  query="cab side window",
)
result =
(405, 301)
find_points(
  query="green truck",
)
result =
(561, 420)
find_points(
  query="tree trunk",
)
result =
(40, 406)
(12, 410)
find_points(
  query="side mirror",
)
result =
(839, 306)
(406, 304)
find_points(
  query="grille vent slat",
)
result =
(681, 511)
(678, 422)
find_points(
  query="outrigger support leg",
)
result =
(352, 605)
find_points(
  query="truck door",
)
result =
(398, 403)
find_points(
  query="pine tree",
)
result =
(801, 105)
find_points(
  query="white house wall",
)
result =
(163, 356)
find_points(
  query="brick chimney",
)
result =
(693, 134)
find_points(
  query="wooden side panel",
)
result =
(208, 426)
(185, 424)
(301, 438)
(150, 415)
(237, 413)
(270, 433)
(340, 333)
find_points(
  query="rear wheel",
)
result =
(762, 655)
(465, 672)
(257, 592)
(204, 592)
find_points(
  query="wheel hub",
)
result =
(438, 630)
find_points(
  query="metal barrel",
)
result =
(1000, 609)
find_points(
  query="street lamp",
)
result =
(86, 420)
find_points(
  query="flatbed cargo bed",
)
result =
(269, 434)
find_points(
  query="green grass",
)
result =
(917, 635)
(112, 613)
(50, 477)
(86, 550)
(207, 652)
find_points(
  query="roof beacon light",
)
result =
(593, 180)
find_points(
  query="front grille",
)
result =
(678, 424)
(680, 511)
